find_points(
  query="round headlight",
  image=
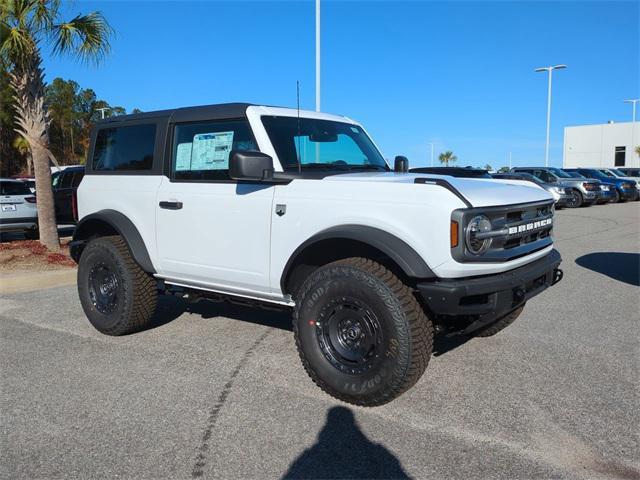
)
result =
(479, 224)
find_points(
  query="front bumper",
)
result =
(605, 196)
(488, 298)
(590, 196)
(628, 193)
(563, 200)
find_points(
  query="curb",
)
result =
(28, 282)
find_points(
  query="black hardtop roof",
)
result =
(219, 111)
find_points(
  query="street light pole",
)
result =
(633, 122)
(317, 55)
(549, 69)
(432, 152)
(102, 110)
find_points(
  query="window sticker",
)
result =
(210, 151)
(183, 157)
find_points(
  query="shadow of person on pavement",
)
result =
(624, 267)
(343, 451)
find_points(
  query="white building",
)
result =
(606, 145)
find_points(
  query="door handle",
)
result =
(171, 205)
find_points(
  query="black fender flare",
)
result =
(119, 222)
(409, 261)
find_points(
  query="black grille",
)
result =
(525, 229)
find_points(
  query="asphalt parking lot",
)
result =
(217, 391)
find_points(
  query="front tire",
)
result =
(361, 334)
(117, 296)
(576, 199)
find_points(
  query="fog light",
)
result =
(479, 224)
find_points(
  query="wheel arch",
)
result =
(111, 222)
(343, 241)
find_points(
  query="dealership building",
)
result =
(605, 146)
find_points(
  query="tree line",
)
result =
(72, 112)
(26, 26)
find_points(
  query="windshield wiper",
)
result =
(378, 168)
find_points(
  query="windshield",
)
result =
(607, 173)
(575, 175)
(617, 172)
(558, 172)
(322, 144)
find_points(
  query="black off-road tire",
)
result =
(501, 324)
(400, 334)
(131, 293)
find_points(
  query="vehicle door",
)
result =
(63, 197)
(75, 183)
(212, 231)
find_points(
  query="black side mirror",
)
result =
(401, 164)
(250, 165)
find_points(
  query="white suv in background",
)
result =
(298, 210)
(18, 211)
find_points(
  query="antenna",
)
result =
(299, 134)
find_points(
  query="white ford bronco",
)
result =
(297, 209)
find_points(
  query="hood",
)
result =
(479, 192)
(575, 182)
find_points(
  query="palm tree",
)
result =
(25, 26)
(637, 149)
(446, 157)
(22, 146)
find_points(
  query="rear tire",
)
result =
(117, 296)
(501, 324)
(361, 334)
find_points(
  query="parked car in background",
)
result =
(18, 212)
(559, 192)
(65, 193)
(623, 189)
(606, 194)
(630, 172)
(584, 192)
(458, 172)
(620, 174)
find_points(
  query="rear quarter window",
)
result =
(125, 148)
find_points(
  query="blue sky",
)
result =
(459, 74)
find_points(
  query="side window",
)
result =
(66, 180)
(125, 148)
(546, 176)
(77, 177)
(201, 150)
(55, 180)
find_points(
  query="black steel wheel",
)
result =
(103, 288)
(349, 335)
(361, 334)
(117, 296)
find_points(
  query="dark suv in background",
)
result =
(65, 189)
(624, 189)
